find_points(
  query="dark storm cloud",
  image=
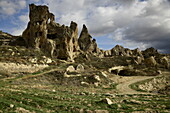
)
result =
(132, 23)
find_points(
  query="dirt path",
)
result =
(123, 88)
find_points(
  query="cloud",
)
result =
(8, 7)
(131, 23)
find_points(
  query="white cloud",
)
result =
(8, 7)
(24, 18)
(128, 22)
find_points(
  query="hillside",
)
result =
(52, 69)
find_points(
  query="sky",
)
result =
(130, 23)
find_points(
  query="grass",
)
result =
(58, 98)
(135, 86)
(39, 96)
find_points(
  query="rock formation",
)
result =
(150, 61)
(53, 39)
(121, 51)
(35, 34)
(60, 41)
(150, 52)
(86, 43)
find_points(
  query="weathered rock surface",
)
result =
(50, 37)
(150, 61)
(70, 69)
(80, 68)
(35, 34)
(165, 62)
(119, 50)
(20, 68)
(86, 43)
(66, 40)
(150, 52)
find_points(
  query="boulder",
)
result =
(139, 60)
(107, 101)
(164, 61)
(70, 69)
(150, 61)
(101, 111)
(80, 68)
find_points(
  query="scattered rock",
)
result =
(70, 69)
(84, 84)
(101, 111)
(164, 61)
(22, 110)
(33, 60)
(80, 68)
(48, 60)
(150, 61)
(97, 78)
(107, 101)
(11, 105)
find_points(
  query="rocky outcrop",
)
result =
(150, 61)
(165, 63)
(35, 34)
(86, 43)
(150, 52)
(66, 40)
(119, 50)
(50, 37)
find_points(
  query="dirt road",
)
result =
(123, 88)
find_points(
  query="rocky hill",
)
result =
(51, 58)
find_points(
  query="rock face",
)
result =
(164, 61)
(150, 52)
(55, 40)
(66, 40)
(86, 43)
(121, 51)
(35, 34)
(150, 61)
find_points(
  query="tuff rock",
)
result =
(53, 39)
(86, 43)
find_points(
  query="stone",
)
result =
(139, 59)
(107, 101)
(89, 111)
(159, 71)
(84, 84)
(101, 111)
(164, 61)
(11, 105)
(70, 69)
(48, 61)
(150, 61)
(97, 78)
(104, 74)
(80, 68)
(33, 60)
